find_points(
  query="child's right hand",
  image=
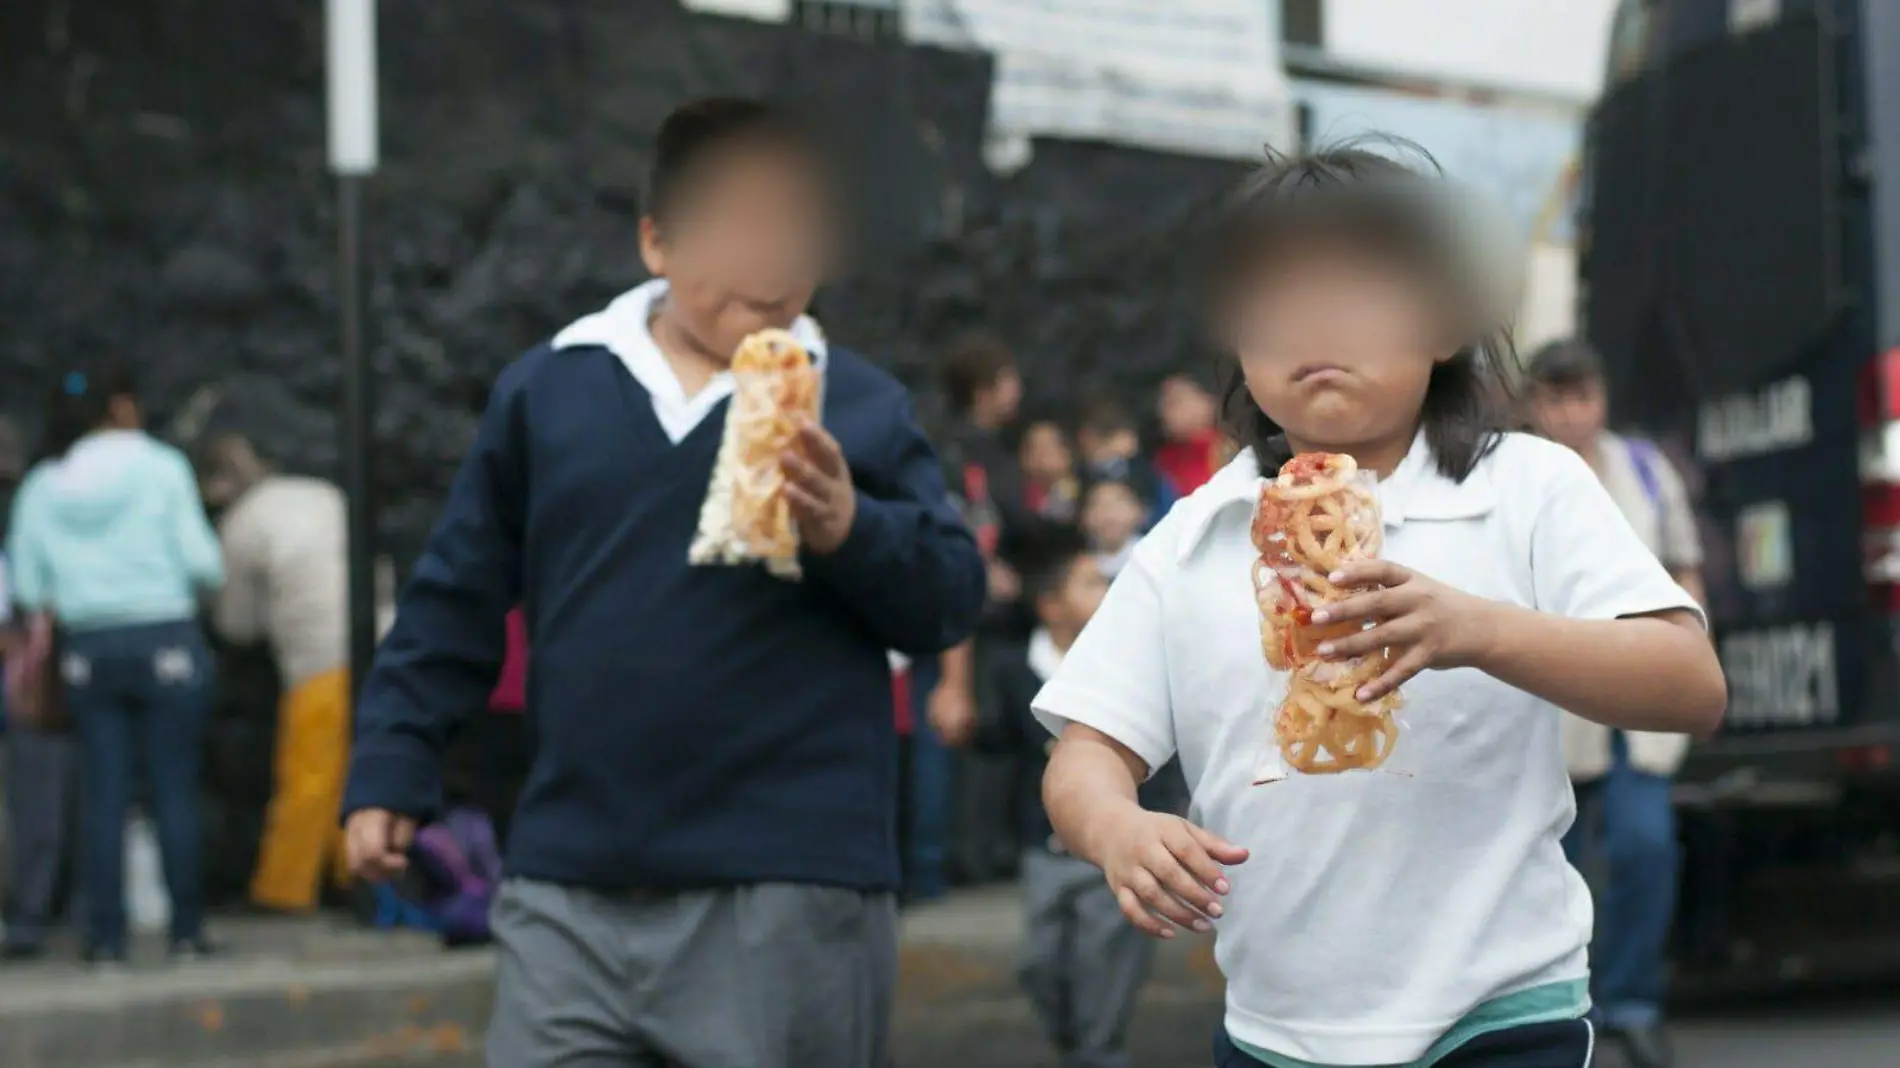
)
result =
(1163, 868)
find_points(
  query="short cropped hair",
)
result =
(695, 133)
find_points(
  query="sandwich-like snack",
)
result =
(1320, 513)
(746, 517)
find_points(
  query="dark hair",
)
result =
(78, 402)
(1027, 423)
(1564, 364)
(696, 132)
(1104, 415)
(1123, 481)
(1353, 196)
(1048, 554)
(970, 365)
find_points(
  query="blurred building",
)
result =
(1495, 90)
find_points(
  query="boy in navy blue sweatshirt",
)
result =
(703, 857)
(1082, 962)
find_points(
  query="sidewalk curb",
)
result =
(269, 1014)
(956, 963)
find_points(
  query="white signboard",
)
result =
(1201, 77)
(764, 10)
(1553, 45)
(1746, 15)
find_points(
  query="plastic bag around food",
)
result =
(1321, 512)
(746, 517)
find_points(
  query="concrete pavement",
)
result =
(325, 994)
(323, 991)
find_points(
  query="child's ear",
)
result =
(652, 249)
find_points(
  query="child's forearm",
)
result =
(1091, 778)
(1651, 673)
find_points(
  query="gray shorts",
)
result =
(772, 976)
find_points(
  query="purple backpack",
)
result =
(458, 866)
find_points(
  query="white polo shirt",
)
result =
(1377, 909)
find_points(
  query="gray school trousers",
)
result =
(770, 976)
(1083, 963)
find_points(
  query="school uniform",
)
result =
(702, 863)
(1624, 779)
(1082, 963)
(1383, 918)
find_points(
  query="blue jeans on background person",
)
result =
(932, 788)
(1626, 821)
(138, 694)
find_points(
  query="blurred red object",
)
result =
(511, 690)
(900, 701)
(1189, 463)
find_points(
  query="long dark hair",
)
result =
(1349, 194)
(78, 403)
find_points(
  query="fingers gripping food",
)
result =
(746, 517)
(1318, 514)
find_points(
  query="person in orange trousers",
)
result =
(285, 542)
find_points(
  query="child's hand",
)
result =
(1163, 868)
(1423, 623)
(818, 486)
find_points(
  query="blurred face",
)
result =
(1570, 414)
(1186, 409)
(743, 248)
(1338, 348)
(1045, 455)
(999, 403)
(1071, 605)
(1112, 515)
(1100, 448)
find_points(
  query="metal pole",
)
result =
(355, 424)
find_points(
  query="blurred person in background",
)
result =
(985, 391)
(286, 558)
(1626, 819)
(1109, 442)
(1051, 490)
(1192, 445)
(109, 537)
(1082, 963)
(1113, 517)
(39, 754)
(712, 802)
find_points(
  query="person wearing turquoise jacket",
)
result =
(110, 538)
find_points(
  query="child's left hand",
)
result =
(1421, 622)
(818, 487)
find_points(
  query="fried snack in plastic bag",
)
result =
(1321, 512)
(746, 517)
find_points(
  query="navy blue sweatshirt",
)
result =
(691, 726)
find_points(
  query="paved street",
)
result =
(1862, 1031)
(325, 995)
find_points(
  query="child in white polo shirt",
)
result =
(1423, 917)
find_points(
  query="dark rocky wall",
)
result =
(163, 198)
